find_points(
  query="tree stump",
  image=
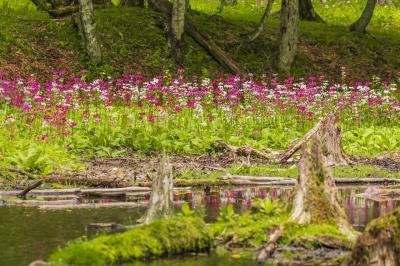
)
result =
(161, 199)
(379, 245)
(316, 199)
(331, 136)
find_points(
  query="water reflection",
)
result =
(360, 211)
(27, 234)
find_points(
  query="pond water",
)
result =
(27, 234)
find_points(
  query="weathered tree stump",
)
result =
(316, 199)
(379, 245)
(331, 136)
(161, 199)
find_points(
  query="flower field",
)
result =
(48, 126)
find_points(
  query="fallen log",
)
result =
(114, 190)
(246, 150)
(93, 205)
(34, 203)
(224, 59)
(283, 180)
(256, 178)
(269, 248)
(282, 158)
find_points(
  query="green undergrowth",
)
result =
(250, 230)
(161, 238)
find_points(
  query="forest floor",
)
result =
(199, 170)
(131, 41)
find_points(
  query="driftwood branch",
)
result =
(269, 248)
(22, 195)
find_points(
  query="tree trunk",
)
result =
(288, 33)
(89, 30)
(307, 11)
(331, 136)
(263, 20)
(177, 29)
(361, 24)
(316, 199)
(379, 245)
(165, 8)
(161, 199)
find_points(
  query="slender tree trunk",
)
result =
(254, 35)
(288, 33)
(89, 30)
(161, 199)
(316, 199)
(177, 29)
(361, 24)
(307, 11)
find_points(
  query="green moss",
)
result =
(247, 230)
(160, 238)
(390, 222)
(251, 230)
(315, 235)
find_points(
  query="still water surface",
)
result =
(27, 234)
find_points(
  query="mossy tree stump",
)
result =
(330, 135)
(161, 199)
(379, 245)
(316, 199)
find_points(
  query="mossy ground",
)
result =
(185, 233)
(161, 238)
(131, 41)
(199, 177)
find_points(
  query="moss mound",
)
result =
(160, 238)
(380, 243)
